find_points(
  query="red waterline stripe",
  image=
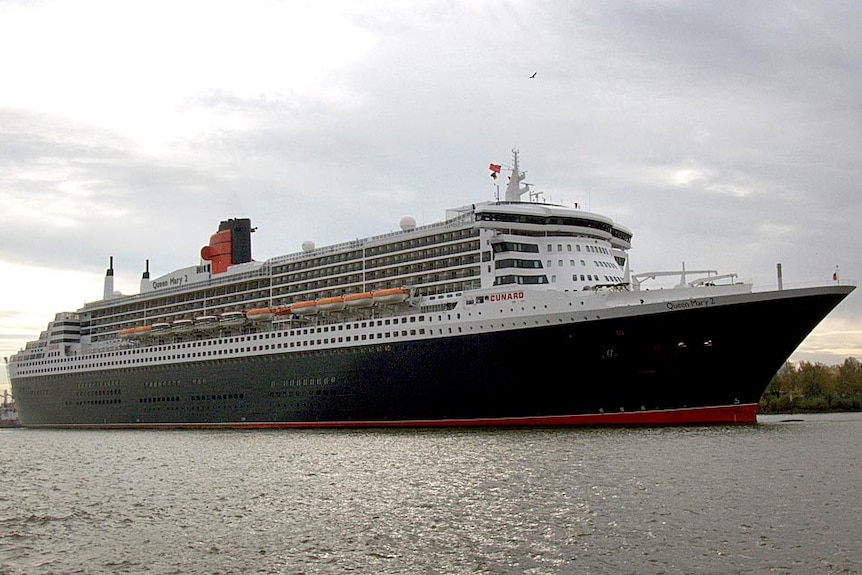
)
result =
(724, 414)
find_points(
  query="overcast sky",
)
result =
(725, 135)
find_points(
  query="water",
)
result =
(778, 497)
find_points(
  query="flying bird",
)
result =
(534, 75)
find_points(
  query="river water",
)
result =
(777, 497)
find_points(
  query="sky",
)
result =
(724, 135)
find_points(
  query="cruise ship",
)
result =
(509, 312)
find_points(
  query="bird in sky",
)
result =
(534, 75)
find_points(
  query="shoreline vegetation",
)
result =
(814, 388)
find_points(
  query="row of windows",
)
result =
(97, 392)
(500, 247)
(97, 384)
(587, 247)
(516, 263)
(303, 381)
(218, 397)
(536, 264)
(160, 399)
(572, 263)
(520, 280)
(302, 393)
(544, 220)
(235, 350)
(114, 401)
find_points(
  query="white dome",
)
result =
(307, 245)
(407, 223)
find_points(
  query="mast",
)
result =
(514, 189)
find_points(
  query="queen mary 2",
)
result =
(510, 312)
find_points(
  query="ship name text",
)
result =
(170, 282)
(689, 304)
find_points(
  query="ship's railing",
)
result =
(805, 284)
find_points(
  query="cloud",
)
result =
(723, 135)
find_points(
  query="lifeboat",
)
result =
(181, 326)
(127, 333)
(232, 319)
(334, 303)
(282, 310)
(307, 307)
(206, 322)
(160, 328)
(363, 299)
(260, 314)
(391, 295)
(142, 331)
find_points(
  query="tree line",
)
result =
(814, 387)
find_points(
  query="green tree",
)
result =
(814, 387)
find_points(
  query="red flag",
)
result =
(495, 168)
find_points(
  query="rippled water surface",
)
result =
(779, 497)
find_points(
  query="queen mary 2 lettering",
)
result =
(506, 313)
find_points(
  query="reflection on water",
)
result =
(780, 496)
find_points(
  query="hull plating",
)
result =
(703, 365)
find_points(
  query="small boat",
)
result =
(160, 328)
(260, 314)
(142, 331)
(181, 326)
(363, 299)
(307, 307)
(391, 295)
(232, 319)
(206, 323)
(334, 303)
(128, 333)
(282, 310)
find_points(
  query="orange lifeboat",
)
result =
(127, 333)
(307, 307)
(142, 331)
(260, 314)
(334, 303)
(282, 310)
(363, 299)
(391, 295)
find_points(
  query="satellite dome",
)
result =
(307, 245)
(407, 223)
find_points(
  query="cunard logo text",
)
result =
(506, 296)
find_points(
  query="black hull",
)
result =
(703, 364)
